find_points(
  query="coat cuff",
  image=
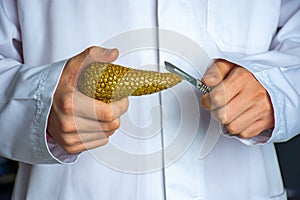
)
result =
(58, 153)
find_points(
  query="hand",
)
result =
(237, 100)
(77, 122)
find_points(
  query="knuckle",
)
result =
(105, 141)
(69, 142)
(115, 124)
(72, 61)
(68, 127)
(108, 114)
(126, 104)
(205, 101)
(89, 51)
(109, 133)
(251, 131)
(242, 73)
(269, 108)
(217, 99)
(268, 105)
(72, 150)
(66, 105)
(259, 93)
(245, 135)
(232, 128)
(223, 118)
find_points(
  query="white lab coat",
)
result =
(166, 129)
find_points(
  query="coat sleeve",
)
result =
(26, 94)
(278, 70)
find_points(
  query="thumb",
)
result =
(98, 54)
(111, 54)
(217, 72)
(76, 64)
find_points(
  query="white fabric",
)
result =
(36, 38)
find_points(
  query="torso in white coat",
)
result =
(165, 129)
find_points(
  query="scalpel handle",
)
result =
(202, 87)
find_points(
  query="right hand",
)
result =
(77, 122)
(237, 100)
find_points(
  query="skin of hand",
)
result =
(77, 122)
(237, 99)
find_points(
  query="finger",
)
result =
(217, 72)
(88, 125)
(254, 130)
(235, 82)
(215, 77)
(96, 54)
(120, 107)
(234, 108)
(90, 108)
(249, 94)
(220, 96)
(93, 144)
(80, 147)
(230, 112)
(86, 137)
(250, 117)
(70, 123)
(90, 136)
(75, 138)
(243, 121)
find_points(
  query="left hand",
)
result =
(237, 100)
(77, 122)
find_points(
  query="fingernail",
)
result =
(209, 79)
(208, 76)
(108, 52)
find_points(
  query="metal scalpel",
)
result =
(196, 82)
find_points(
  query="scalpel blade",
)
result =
(196, 82)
